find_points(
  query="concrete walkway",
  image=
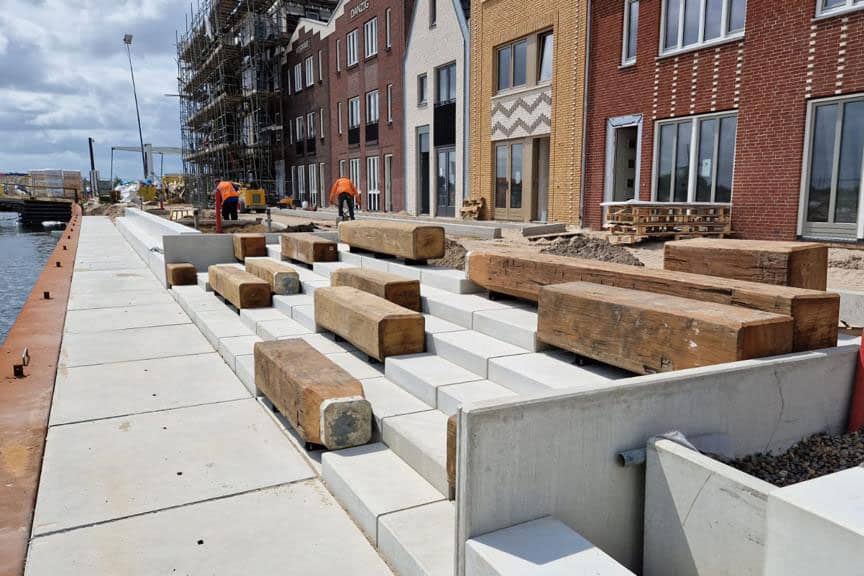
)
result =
(158, 460)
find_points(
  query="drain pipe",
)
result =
(856, 411)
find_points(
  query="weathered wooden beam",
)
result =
(416, 242)
(238, 287)
(308, 248)
(181, 274)
(645, 332)
(397, 289)
(283, 279)
(249, 244)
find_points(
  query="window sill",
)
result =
(370, 57)
(837, 12)
(626, 65)
(703, 46)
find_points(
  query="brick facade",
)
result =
(766, 77)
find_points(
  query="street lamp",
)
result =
(127, 39)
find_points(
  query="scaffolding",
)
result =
(229, 61)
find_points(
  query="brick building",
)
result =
(760, 103)
(306, 113)
(527, 94)
(367, 48)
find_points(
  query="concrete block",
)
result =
(215, 326)
(305, 315)
(516, 325)
(324, 269)
(471, 350)
(102, 319)
(252, 316)
(851, 306)
(370, 481)
(350, 258)
(388, 399)
(375, 263)
(452, 396)
(434, 325)
(309, 287)
(280, 329)
(419, 540)
(457, 308)
(545, 371)
(274, 251)
(305, 274)
(540, 547)
(231, 348)
(357, 367)
(324, 344)
(132, 344)
(161, 460)
(204, 281)
(701, 516)
(245, 369)
(817, 526)
(285, 303)
(448, 279)
(422, 374)
(420, 439)
(405, 270)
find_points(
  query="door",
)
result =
(624, 164)
(509, 183)
(423, 168)
(541, 179)
(446, 182)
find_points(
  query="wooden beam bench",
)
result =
(238, 287)
(414, 243)
(181, 274)
(798, 264)
(646, 332)
(308, 248)
(377, 327)
(323, 403)
(814, 313)
(391, 287)
(249, 244)
(283, 279)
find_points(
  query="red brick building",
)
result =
(758, 102)
(367, 48)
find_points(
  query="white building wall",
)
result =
(429, 48)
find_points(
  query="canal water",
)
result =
(23, 254)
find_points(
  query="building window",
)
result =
(387, 41)
(338, 55)
(508, 176)
(373, 194)
(389, 103)
(372, 107)
(433, 13)
(310, 124)
(351, 42)
(690, 23)
(342, 169)
(320, 66)
(512, 60)
(339, 117)
(828, 7)
(310, 72)
(301, 129)
(546, 50)
(834, 176)
(370, 38)
(322, 178)
(313, 184)
(695, 159)
(354, 171)
(321, 122)
(446, 79)
(301, 182)
(631, 31)
(422, 95)
(354, 112)
(298, 77)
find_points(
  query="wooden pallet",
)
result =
(633, 222)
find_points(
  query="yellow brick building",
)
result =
(528, 61)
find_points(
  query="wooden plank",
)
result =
(799, 264)
(238, 287)
(283, 279)
(249, 244)
(323, 403)
(406, 240)
(452, 439)
(815, 313)
(646, 333)
(397, 289)
(377, 327)
(308, 248)
(181, 274)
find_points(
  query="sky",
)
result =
(64, 77)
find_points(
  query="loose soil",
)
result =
(111, 210)
(454, 255)
(592, 249)
(816, 456)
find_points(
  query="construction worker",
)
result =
(230, 199)
(344, 191)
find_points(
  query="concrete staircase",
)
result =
(477, 349)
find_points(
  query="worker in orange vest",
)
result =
(230, 199)
(344, 191)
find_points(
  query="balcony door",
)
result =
(509, 181)
(446, 182)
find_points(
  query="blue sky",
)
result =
(64, 76)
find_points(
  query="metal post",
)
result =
(127, 39)
(269, 220)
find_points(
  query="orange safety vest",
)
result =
(227, 190)
(343, 186)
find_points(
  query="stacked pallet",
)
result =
(632, 222)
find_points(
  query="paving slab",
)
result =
(545, 371)
(357, 367)
(453, 396)
(262, 536)
(103, 319)
(370, 481)
(420, 439)
(217, 324)
(100, 264)
(422, 374)
(388, 399)
(252, 316)
(114, 280)
(471, 350)
(95, 300)
(236, 346)
(279, 329)
(458, 308)
(420, 540)
(516, 325)
(110, 469)
(132, 344)
(111, 390)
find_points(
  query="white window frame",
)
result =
(625, 40)
(301, 182)
(323, 183)
(425, 92)
(351, 40)
(612, 126)
(388, 42)
(321, 123)
(298, 77)
(290, 132)
(313, 183)
(373, 110)
(339, 116)
(354, 171)
(310, 72)
(310, 126)
(695, 122)
(338, 54)
(389, 103)
(370, 37)
(725, 34)
(354, 112)
(320, 66)
(294, 181)
(300, 125)
(373, 192)
(342, 169)
(847, 6)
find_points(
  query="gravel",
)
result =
(454, 256)
(811, 458)
(591, 249)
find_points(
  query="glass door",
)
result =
(446, 181)
(509, 181)
(423, 168)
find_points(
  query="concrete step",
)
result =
(218, 324)
(325, 269)
(388, 399)
(516, 325)
(281, 329)
(245, 370)
(420, 540)
(252, 316)
(552, 370)
(422, 374)
(539, 547)
(349, 257)
(452, 396)
(370, 481)
(235, 347)
(305, 315)
(309, 286)
(274, 251)
(457, 308)
(204, 281)
(471, 350)
(420, 439)
(448, 279)
(355, 363)
(285, 303)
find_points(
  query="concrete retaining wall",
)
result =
(566, 444)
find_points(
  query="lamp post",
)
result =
(127, 39)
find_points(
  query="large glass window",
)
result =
(300, 122)
(354, 112)
(370, 38)
(545, 47)
(422, 92)
(351, 43)
(372, 107)
(695, 159)
(824, 7)
(310, 124)
(310, 72)
(502, 183)
(631, 31)
(508, 176)
(446, 79)
(338, 55)
(387, 40)
(373, 192)
(298, 77)
(690, 23)
(512, 62)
